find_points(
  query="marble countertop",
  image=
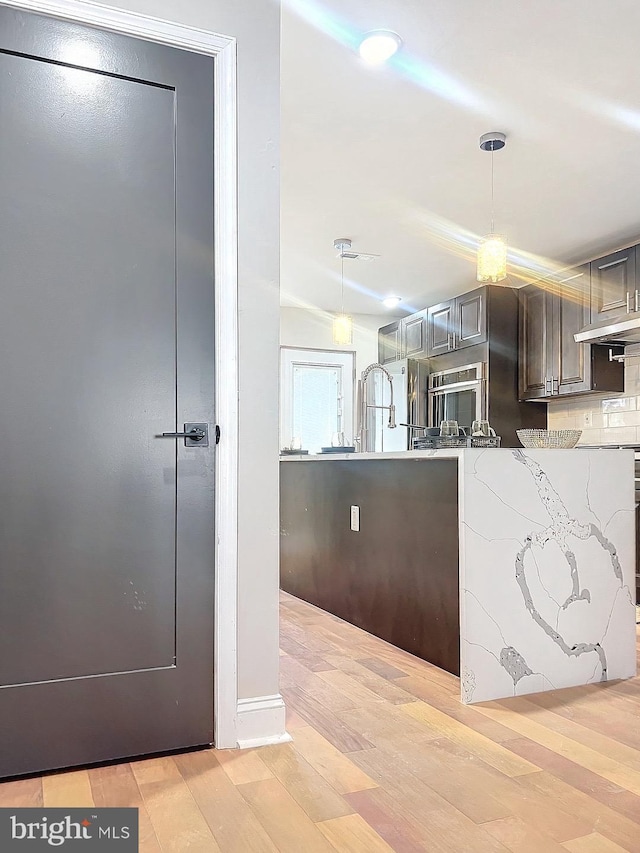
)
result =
(445, 453)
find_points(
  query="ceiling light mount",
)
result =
(493, 141)
(342, 244)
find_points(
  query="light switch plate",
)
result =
(355, 518)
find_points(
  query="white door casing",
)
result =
(223, 50)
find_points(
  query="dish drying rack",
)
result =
(440, 442)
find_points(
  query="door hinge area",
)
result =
(217, 434)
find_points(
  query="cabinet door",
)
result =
(471, 318)
(536, 313)
(441, 326)
(571, 372)
(414, 335)
(390, 343)
(613, 285)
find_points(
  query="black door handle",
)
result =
(194, 435)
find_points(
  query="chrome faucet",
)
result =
(362, 438)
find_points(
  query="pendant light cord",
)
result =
(492, 212)
(342, 280)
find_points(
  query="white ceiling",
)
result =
(390, 158)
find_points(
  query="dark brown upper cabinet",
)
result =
(457, 323)
(470, 316)
(406, 338)
(551, 363)
(614, 290)
(440, 327)
(389, 343)
(414, 335)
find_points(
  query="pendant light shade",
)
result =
(342, 329)
(492, 258)
(342, 323)
(492, 250)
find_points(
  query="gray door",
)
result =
(106, 341)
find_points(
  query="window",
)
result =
(316, 397)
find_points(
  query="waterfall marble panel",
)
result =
(547, 570)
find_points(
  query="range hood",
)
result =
(624, 330)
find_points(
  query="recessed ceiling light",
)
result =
(378, 46)
(391, 301)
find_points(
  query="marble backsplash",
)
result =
(604, 418)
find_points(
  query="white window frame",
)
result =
(290, 356)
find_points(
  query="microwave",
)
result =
(458, 394)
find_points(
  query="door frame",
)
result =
(223, 50)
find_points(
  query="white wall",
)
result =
(256, 26)
(300, 327)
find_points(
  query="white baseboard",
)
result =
(261, 721)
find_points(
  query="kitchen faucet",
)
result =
(362, 438)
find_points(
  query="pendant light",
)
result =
(492, 250)
(342, 323)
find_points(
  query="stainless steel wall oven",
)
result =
(458, 394)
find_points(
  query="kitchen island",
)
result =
(513, 569)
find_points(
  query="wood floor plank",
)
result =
(351, 687)
(22, 793)
(230, 819)
(287, 824)
(331, 764)
(448, 701)
(489, 751)
(601, 712)
(520, 837)
(312, 660)
(385, 670)
(597, 817)
(594, 843)
(293, 720)
(329, 724)
(388, 728)
(533, 807)
(465, 787)
(385, 688)
(178, 822)
(307, 787)
(512, 713)
(67, 790)
(115, 786)
(315, 685)
(243, 765)
(602, 743)
(598, 788)
(352, 834)
(385, 815)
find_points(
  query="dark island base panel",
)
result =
(398, 577)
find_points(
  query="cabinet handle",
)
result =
(628, 302)
(637, 299)
(555, 386)
(450, 340)
(547, 386)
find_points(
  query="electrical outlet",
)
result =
(355, 518)
(586, 419)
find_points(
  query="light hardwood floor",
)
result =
(385, 758)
